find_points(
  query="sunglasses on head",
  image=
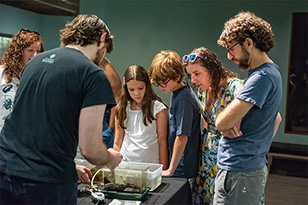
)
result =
(191, 57)
(25, 30)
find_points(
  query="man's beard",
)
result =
(244, 61)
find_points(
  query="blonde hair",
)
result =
(166, 65)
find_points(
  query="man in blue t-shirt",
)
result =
(249, 123)
(59, 104)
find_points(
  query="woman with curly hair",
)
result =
(24, 45)
(218, 86)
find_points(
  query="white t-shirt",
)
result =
(140, 142)
(7, 95)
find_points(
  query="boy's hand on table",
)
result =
(167, 173)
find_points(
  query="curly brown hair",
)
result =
(138, 73)
(248, 25)
(166, 65)
(84, 30)
(213, 65)
(12, 60)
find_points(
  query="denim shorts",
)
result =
(240, 187)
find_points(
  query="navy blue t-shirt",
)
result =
(184, 119)
(263, 88)
(40, 137)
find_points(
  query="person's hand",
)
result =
(115, 159)
(167, 173)
(84, 174)
(234, 132)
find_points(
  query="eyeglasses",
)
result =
(191, 57)
(163, 85)
(25, 30)
(231, 47)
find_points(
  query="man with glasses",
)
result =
(252, 119)
(59, 104)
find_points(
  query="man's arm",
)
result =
(114, 80)
(232, 114)
(277, 122)
(178, 150)
(90, 138)
(112, 118)
(234, 132)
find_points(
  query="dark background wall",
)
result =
(144, 28)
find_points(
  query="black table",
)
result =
(171, 191)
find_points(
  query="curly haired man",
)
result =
(249, 123)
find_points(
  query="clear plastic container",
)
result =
(134, 176)
(153, 172)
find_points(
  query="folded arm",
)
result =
(232, 115)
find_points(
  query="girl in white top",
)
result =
(141, 120)
(24, 45)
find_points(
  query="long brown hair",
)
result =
(13, 58)
(138, 73)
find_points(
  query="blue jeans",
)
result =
(16, 190)
(240, 187)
